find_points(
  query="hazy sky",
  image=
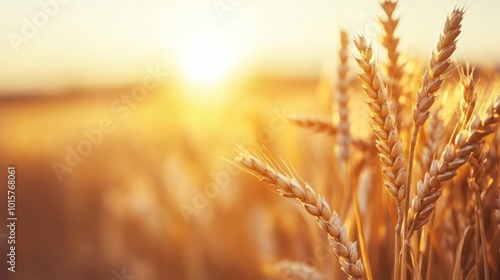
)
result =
(50, 43)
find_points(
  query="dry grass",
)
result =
(447, 229)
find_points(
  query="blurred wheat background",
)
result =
(120, 117)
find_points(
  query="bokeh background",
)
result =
(120, 117)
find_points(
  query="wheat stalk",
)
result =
(316, 206)
(497, 210)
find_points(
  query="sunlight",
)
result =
(205, 60)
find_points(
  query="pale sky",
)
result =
(99, 42)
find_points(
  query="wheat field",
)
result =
(383, 166)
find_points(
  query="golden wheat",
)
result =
(453, 157)
(436, 70)
(383, 122)
(344, 136)
(458, 239)
(390, 41)
(315, 205)
(324, 125)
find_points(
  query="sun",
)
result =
(205, 60)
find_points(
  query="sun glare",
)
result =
(205, 60)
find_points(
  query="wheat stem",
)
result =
(497, 210)
(361, 232)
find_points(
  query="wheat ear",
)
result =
(432, 80)
(343, 99)
(434, 133)
(344, 136)
(324, 125)
(316, 124)
(316, 206)
(391, 41)
(439, 63)
(453, 157)
(383, 122)
(476, 181)
(468, 101)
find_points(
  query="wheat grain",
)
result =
(315, 205)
